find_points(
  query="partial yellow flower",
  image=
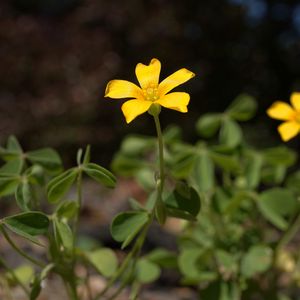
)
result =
(150, 90)
(288, 113)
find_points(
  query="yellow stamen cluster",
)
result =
(150, 93)
(296, 117)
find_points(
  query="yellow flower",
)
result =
(150, 90)
(290, 114)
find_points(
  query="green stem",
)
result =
(159, 206)
(79, 201)
(12, 273)
(71, 280)
(135, 291)
(161, 154)
(136, 248)
(134, 253)
(71, 289)
(87, 284)
(127, 278)
(118, 291)
(18, 250)
(289, 234)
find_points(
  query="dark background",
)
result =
(56, 57)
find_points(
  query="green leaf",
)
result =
(293, 182)
(104, 260)
(183, 164)
(67, 209)
(37, 282)
(221, 290)
(79, 156)
(47, 158)
(8, 184)
(24, 195)
(221, 199)
(65, 234)
(126, 225)
(172, 133)
(230, 133)
(27, 224)
(134, 145)
(208, 124)
(13, 145)
(189, 262)
(282, 156)
(281, 296)
(87, 155)
(100, 174)
(225, 162)
(257, 260)
(145, 178)
(227, 262)
(277, 203)
(183, 202)
(127, 166)
(273, 175)
(243, 108)
(163, 258)
(13, 167)
(236, 202)
(60, 185)
(253, 170)
(146, 271)
(135, 205)
(35, 175)
(24, 274)
(203, 174)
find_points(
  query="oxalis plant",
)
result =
(35, 175)
(240, 245)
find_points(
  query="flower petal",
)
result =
(295, 100)
(175, 79)
(122, 89)
(281, 111)
(148, 75)
(288, 130)
(133, 108)
(177, 101)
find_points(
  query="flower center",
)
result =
(150, 93)
(297, 116)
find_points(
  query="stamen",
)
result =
(150, 93)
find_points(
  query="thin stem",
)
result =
(161, 153)
(71, 290)
(134, 253)
(87, 284)
(119, 272)
(12, 273)
(118, 291)
(135, 257)
(18, 250)
(79, 201)
(71, 281)
(289, 234)
(135, 290)
(136, 248)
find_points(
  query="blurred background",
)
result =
(56, 57)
